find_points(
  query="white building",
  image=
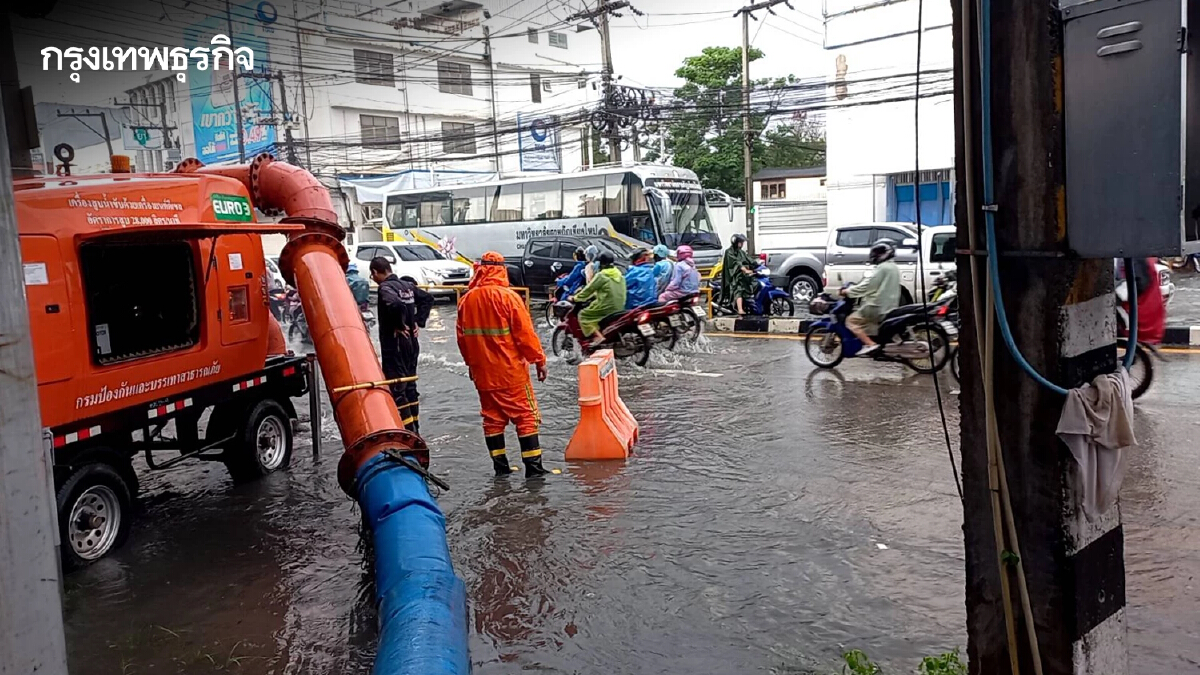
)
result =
(870, 147)
(789, 184)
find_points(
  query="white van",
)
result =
(413, 259)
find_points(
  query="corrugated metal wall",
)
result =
(782, 224)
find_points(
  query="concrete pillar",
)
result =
(1061, 313)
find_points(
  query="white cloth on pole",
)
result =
(1097, 425)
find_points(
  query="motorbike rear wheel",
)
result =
(666, 334)
(782, 307)
(824, 347)
(1141, 374)
(691, 326)
(936, 340)
(564, 346)
(633, 345)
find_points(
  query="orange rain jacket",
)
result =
(495, 331)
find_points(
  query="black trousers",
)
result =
(401, 361)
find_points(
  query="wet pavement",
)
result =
(772, 517)
(1184, 309)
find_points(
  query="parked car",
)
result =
(408, 258)
(546, 258)
(802, 270)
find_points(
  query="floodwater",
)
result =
(772, 517)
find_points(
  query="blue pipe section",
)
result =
(422, 603)
(989, 216)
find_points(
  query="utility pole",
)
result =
(103, 125)
(747, 129)
(599, 17)
(31, 624)
(287, 122)
(487, 55)
(303, 89)
(1060, 309)
(237, 100)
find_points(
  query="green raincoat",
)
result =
(607, 293)
(735, 283)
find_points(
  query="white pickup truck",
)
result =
(937, 253)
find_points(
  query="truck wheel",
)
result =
(263, 445)
(804, 288)
(94, 513)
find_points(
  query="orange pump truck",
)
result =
(148, 302)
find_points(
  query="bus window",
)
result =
(470, 205)
(543, 200)
(435, 210)
(507, 206)
(616, 199)
(583, 197)
(637, 198)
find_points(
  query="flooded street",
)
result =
(771, 517)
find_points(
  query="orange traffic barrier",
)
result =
(606, 429)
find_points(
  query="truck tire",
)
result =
(94, 513)
(263, 444)
(803, 287)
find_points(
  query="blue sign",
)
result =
(537, 143)
(214, 115)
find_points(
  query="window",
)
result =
(942, 247)
(377, 129)
(418, 253)
(856, 238)
(936, 196)
(435, 209)
(374, 68)
(458, 138)
(535, 87)
(583, 197)
(508, 203)
(773, 190)
(615, 197)
(558, 39)
(471, 205)
(541, 249)
(543, 200)
(454, 78)
(129, 318)
(367, 253)
(533, 35)
(894, 236)
(637, 196)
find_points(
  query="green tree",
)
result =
(704, 129)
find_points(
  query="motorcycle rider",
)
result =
(497, 341)
(607, 293)
(662, 267)
(590, 255)
(398, 343)
(685, 278)
(572, 282)
(1152, 310)
(877, 295)
(737, 274)
(641, 288)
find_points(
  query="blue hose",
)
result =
(422, 603)
(989, 216)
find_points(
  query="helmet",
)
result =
(591, 252)
(882, 251)
(737, 239)
(580, 254)
(661, 251)
(606, 260)
(684, 252)
(637, 255)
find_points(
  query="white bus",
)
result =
(643, 205)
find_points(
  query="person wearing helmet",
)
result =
(640, 284)
(662, 267)
(569, 283)
(685, 278)
(877, 295)
(590, 255)
(737, 274)
(607, 295)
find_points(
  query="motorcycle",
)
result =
(1182, 262)
(767, 299)
(627, 333)
(1141, 373)
(907, 335)
(277, 298)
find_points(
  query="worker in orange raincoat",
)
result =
(497, 341)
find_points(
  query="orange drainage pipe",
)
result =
(314, 261)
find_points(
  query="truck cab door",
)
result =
(538, 261)
(49, 308)
(241, 286)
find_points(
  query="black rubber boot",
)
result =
(415, 413)
(495, 446)
(531, 455)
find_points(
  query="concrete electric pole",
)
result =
(31, 624)
(1041, 578)
(614, 136)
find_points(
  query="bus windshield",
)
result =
(692, 225)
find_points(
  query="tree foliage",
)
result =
(704, 131)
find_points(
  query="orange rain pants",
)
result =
(517, 405)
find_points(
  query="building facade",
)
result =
(872, 144)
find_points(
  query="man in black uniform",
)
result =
(403, 308)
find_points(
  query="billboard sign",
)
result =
(537, 143)
(214, 116)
